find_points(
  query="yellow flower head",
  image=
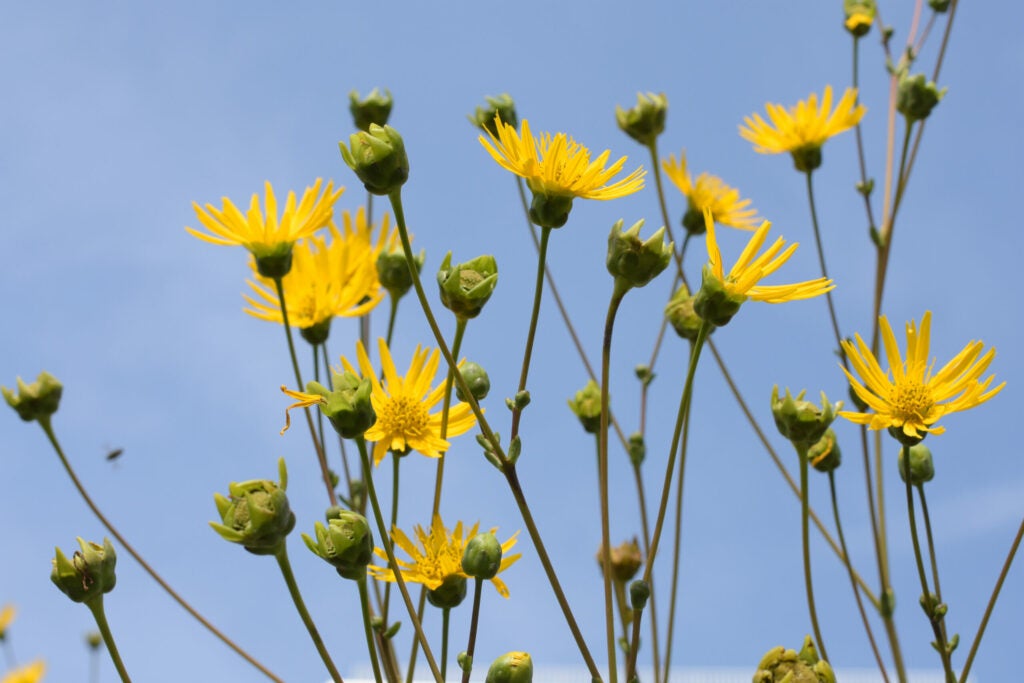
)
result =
(338, 279)
(263, 232)
(803, 129)
(911, 397)
(30, 673)
(403, 404)
(439, 556)
(709, 192)
(558, 165)
(749, 270)
(7, 615)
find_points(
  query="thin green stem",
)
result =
(445, 622)
(416, 643)
(293, 589)
(396, 461)
(992, 602)
(806, 542)
(634, 648)
(96, 607)
(341, 441)
(321, 458)
(473, 623)
(385, 539)
(853, 582)
(538, 291)
(48, 430)
(824, 270)
(364, 603)
(392, 315)
(931, 541)
(460, 330)
(656, 169)
(602, 463)
(862, 163)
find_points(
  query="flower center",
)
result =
(403, 415)
(910, 400)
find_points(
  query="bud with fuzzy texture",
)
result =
(346, 543)
(632, 262)
(501, 107)
(917, 96)
(586, 405)
(801, 421)
(466, 287)
(512, 667)
(375, 108)
(378, 157)
(780, 665)
(257, 514)
(680, 314)
(646, 121)
(482, 557)
(36, 401)
(922, 467)
(88, 574)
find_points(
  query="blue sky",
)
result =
(118, 116)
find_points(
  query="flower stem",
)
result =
(321, 458)
(396, 466)
(96, 607)
(44, 422)
(391, 319)
(853, 582)
(992, 603)
(806, 542)
(473, 623)
(364, 603)
(824, 270)
(445, 623)
(293, 589)
(385, 539)
(460, 330)
(538, 291)
(341, 440)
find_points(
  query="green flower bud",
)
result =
(917, 96)
(806, 159)
(626, 560)
(801, 421)
(346, 543)
(94, 639)
(88, 574)
(922, 467)
(501, 107)
(512, 667)
(860, 14)
(257, 514)
(634, 263)
(477, 379)
(378, 157)
(824, 455)
(372, 109)
(637, 448)
(940, 6)
(449, 594)
(680, 314)
(274, 260)
(348, 406)
(482, 557)
(646, 121)
(713, 302)
(466, 287)
(318, 333)
(586, 405)
(780, 665)
(36, 401)
(644, 374)
(639, 594)
(550, 211)
(393, 271)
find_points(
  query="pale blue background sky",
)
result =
(117, 116)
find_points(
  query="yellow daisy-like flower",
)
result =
(749, 270)
(911, 397)
(30, 673)
(558, 165)
(263, 232)
(803, 129)
(7, 615)
(403, 405)
(439, 556)
(327, 280)
(709, 192)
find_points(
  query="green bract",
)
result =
(88, 574)
(377, 155)
(35, 401)
(256, 515)
(801, 421)
(372, 109)
(633, 262)
(466, 287)
(346, 543)
(646, 121)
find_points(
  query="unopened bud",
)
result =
(256, 515)
(680, 314)
(922, 467)
(632, 262)
(482, 557)
(512, 667)
(378, 157)
(801, 421)
(393, 271)
(36, 401)
(466, 287)
(645, 121)
(917, 96)
(824, 455)
(501, 107)
(586, 405)
(626, 560)
(346, 543)
(88, 574)
(477, 380)
(375, 108)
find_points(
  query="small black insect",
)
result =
(114, 454)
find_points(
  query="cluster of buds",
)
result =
(632, 262)
(780, 665)
(256, 514)
(646, 121)
(466, 287)
(346, 543)
(88, 574)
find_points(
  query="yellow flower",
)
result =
(911, 397)
(30, 673)
(803, 129)
(263, 232)
(403, 404)
(558, 165)
(338, 279)
(709, 192)
(748, 271)
(7, 615)
(439, 556)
